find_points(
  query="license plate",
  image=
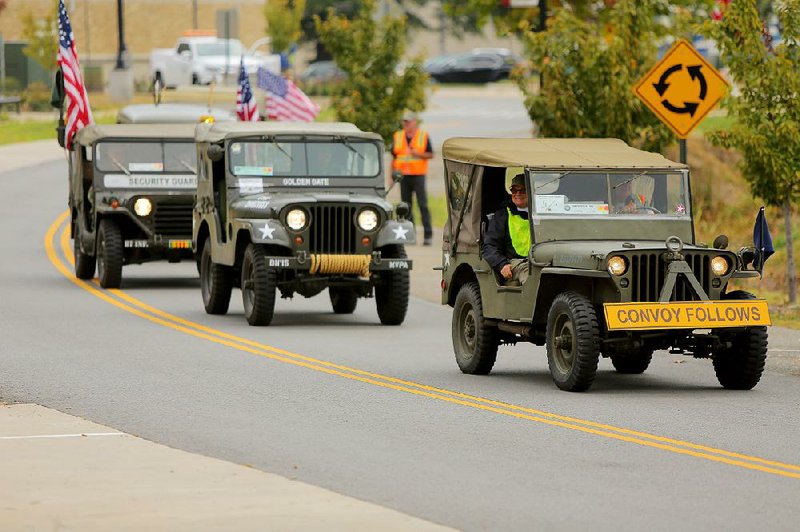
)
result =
(686, 315)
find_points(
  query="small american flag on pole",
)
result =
(79, 114)
(246, 107)
(284, 100)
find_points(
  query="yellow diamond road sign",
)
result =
(682, 88)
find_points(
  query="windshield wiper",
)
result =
(615, 187)
(554, 180)
(119, 165)
(283, 150)
(350, 147)
(188, 166)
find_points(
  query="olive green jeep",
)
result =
(614, 266)
(298, 208)
(131, 194)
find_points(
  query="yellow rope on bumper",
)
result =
(340, 264)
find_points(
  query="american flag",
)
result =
(246, 107)
(284, 100)
(79, 114)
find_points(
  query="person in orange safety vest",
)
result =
(411, 148)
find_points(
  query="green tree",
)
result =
(41, 32)
(766, 114)
(589, 69)
(374, 95)
(283, 22)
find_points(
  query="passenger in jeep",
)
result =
(508, 238)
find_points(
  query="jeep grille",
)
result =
(172, 219)
(648, 272)
(332, 229)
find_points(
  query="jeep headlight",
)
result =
(367, 219)
(720, 266)
(296, 219)
(617, 265)
(143, 207)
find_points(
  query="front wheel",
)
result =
(391, 295)
(740, 366)
(573, 340)
(109, 254)
(216, 282)
(343, 300)
(474, 341)
(258, 286)
(84, 263)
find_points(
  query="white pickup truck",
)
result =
(199, 60)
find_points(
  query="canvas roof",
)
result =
(230, 130)
(94, 132)
(543, 153)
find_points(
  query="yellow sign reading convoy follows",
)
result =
(682, 88)
(687, 315)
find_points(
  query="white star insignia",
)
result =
(400, 233)
(266, 231)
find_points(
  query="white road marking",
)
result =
(85, 434)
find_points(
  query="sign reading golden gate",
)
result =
(687, 315)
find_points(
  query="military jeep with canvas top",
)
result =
(131, 194)
(615, 269)
(298, 208)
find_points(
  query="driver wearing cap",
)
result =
(508, 239)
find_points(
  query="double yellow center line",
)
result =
(130, 304)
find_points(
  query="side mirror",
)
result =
(215, 152)
(721, 242)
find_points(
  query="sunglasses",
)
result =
(518, 190)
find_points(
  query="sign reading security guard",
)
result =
(687, 315)
(682, 88)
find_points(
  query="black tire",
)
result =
(84, 263)
(216, 282)
(109, 254)
(631, 361)
(343, 300)
(740, 367)
(573, 340)
(258, 286)
(391, 295)
(474, 341)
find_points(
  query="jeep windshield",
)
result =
(146, 157)
(348, 157)
(610, 194)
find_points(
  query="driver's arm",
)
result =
(494, 241)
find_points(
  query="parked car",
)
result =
(322, 73)
(471, 67)
(298, 208)
(608, 277)
(201, 59)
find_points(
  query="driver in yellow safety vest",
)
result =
(508, 237)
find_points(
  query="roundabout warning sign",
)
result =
(682, 88)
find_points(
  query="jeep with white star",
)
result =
(296, 208)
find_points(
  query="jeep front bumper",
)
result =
(339, 264)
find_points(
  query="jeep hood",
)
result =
(590, 254)
(270, 205)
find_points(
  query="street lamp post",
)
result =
(121, 49)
